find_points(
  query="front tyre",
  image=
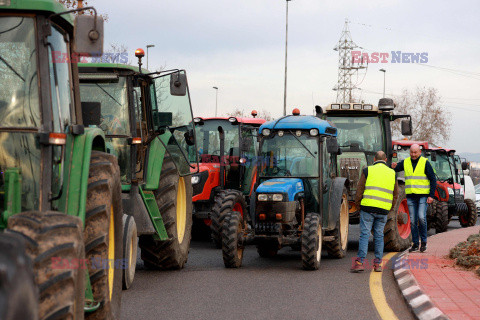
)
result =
(225, 202)
(469, 219)
(130, 245)
(312, 242)
(397, 232)
(441, 217)
(338, 247)
(233, 229)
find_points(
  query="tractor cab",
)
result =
(298, 199)
(401, 149)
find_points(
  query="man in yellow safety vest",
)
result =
(377, 191)
(420, 183)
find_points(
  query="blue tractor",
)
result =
(299, 201)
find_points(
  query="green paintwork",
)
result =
(90, 304)
(49, 6)
(13, 193)
(152, 208)
(156, 154)
(119, 66)
(126, 187)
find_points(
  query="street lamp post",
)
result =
(286, 51)
(149, 46)
(384, 71)
(216, 99)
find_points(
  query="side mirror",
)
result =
(318, 111)
(162, 119)
(464, 166)
(332, 146)
(91, 112)
(178, 84)
(88, 35)
(189, 138)
(407, 127)
(434, 156)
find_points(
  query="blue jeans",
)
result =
(418, 213)
(367, 221)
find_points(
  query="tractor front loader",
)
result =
(60, 192)
(148, 123)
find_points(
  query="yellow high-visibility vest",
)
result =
(416, 182)
(379, 187)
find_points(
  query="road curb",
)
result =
(419, 303)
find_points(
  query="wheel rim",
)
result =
(130, 257)
(463, 219)
(238, 207)
(181, 209)
(344, 222)
(319, 243)
(404, 229)
(111, 252)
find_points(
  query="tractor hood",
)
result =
(288, 186)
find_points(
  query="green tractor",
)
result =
(364, 129)
(60, 192)
(148, 123)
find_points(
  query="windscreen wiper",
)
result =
(301, 143)
(11, 68)
(108, 94)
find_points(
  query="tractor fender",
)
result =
(334, 203)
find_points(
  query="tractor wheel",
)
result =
(267, 250)
(18, 292)
(397, 233)
(441, 217)
(104, 234)
(432, 214)
(225, 201)
(338, 248)
(174, 199)
(312, 239)
(233, 228)
(54, 243)
(470, 218)
(130, 245)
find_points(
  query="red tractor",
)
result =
(227, 149)
(449, 195)
(401, 148)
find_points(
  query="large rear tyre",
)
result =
(54, 243)
(18, 292)
(397, 231)
(104, 235)
(469, 219)
(441, 217)
(338, 247)
(233, 229)
(174, 199)
(225, 201)
(312, 239)
(130, 245)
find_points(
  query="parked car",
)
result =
(477, 195)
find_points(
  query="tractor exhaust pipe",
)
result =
(222, 152)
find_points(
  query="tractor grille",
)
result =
(267, 228)
(198, 188)
(350, 169)
(270, 208)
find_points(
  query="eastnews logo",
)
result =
(392, 57)
(94, 263)
(108, 57)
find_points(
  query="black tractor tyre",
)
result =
(174, 200)
(470, 218)
(130, 245)
(267, 250)
(18, 292)
(338, 248)
(432, 214)
(233, 228)
(225, 201)
(104, 234)
(54, 243)
(391, 236)
(312, 240)
(441, 217)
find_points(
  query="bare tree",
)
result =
(73, 4)
(262, 114)
(431, 121)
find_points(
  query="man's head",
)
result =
(415, 151)
(380, 156)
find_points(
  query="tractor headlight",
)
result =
(266, 132)
(450, 191)
(262, 197)
(280, 133)
(313, 132)
(277, 197)
(195, 179)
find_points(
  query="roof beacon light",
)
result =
(345, 106)
(254, 113)
(139, 53)
(296, 112)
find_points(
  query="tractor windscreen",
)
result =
(19, 109)
(442, 166)
(359, 134)
(289, 155)
(208, 140)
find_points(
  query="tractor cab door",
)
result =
(460, 177)
(327, 171)
(248, 155)
(172, 114)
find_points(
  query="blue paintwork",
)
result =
(290, 186)
(300, 123)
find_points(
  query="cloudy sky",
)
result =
(239, 46)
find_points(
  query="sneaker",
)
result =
(423, 247)
(357, 266)
(414, 248)
(377, 267)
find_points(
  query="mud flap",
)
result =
(335, 202)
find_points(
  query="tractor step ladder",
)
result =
(152, 208)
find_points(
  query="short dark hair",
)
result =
(380, 156)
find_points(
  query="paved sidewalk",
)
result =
(454, 291)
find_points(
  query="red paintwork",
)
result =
(212, 181)
(404, 230)
(252, 121)
(408, 143)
